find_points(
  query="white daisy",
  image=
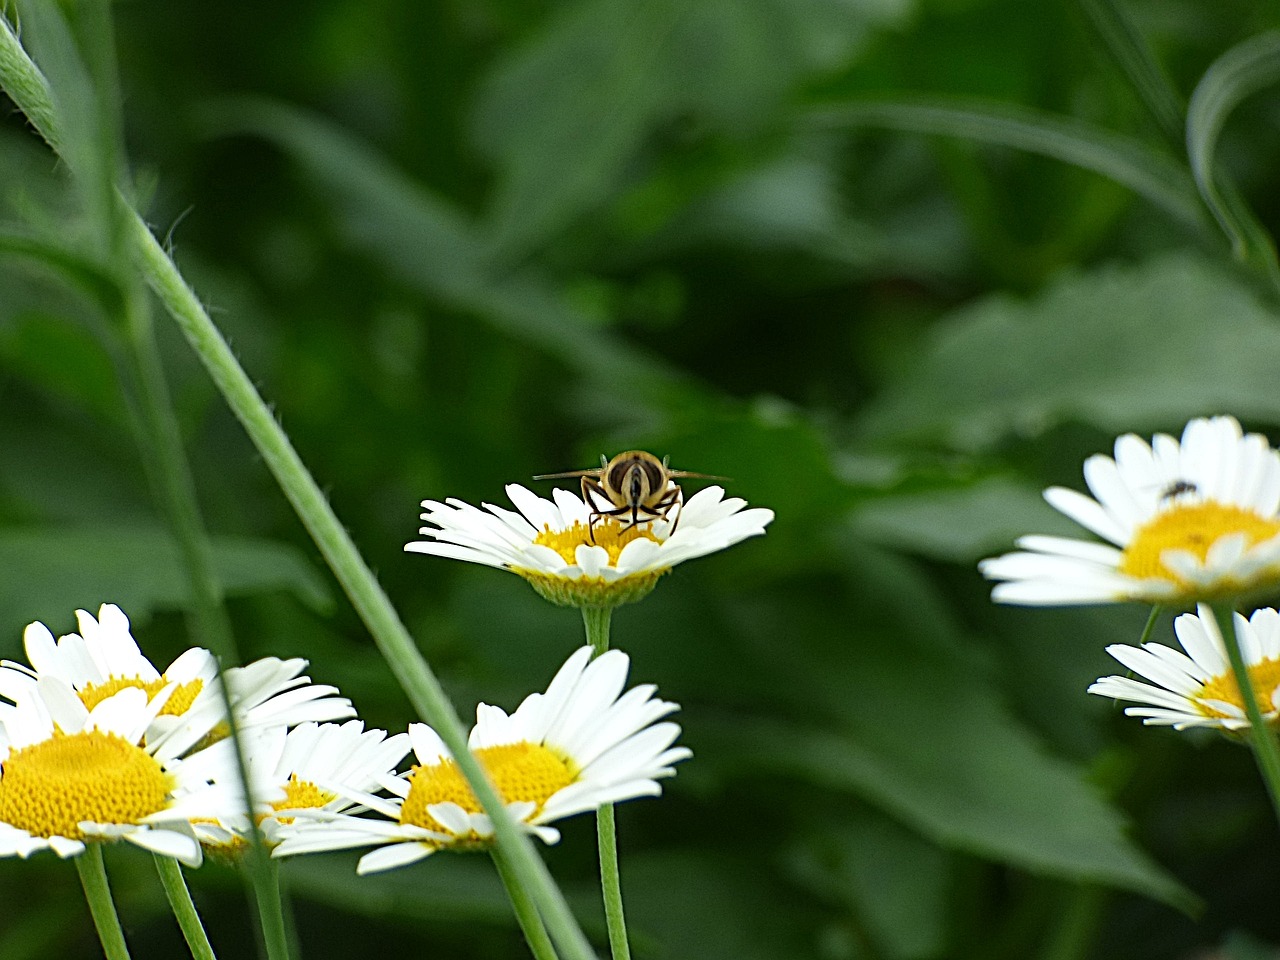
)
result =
(571, 749)
(574, 556)
(1196, 520)
(1198, 688)
(103, 658)
(70, 774)
(314, 766)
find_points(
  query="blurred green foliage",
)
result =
(892, 266)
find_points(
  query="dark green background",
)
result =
(462, 242)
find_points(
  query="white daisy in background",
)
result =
(103, 658)
(70, 774)
(315, 766)
(1198, 688)
(577, 746)
(574, 556)
(1192, 520)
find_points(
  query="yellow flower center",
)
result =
(179, 701)
(607, 533)
(49, 787)
(1264, 677)
(301, 795)
(520, 772)
(1194, 528)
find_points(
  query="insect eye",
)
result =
(616, 477)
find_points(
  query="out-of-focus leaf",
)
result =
(1240, 945)
(1143, 169)
(717, 905)
(1242, 70)
(458, 888)
(567, 116)
(52, 571)
(86, 100)
(65, 263)
(885, 704)
(1122, 348)
(959, 524)
(431, 246)
(60, 358)
(1131, 51)
(969, 779)
(895, 883)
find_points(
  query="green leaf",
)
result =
(86, 99)
(451, 888)
(568, 116)
(59, 358)
(69, 265)
(1121, 347)
(958, 524)
(432, 247)
(1133, 54)
(1244, 69)
(960, 771)
(877, 695)
(895, 883)
(713, 905)
(52, 571)
(1143, 169)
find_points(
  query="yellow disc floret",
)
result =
(179, 701)
(1194, 528)
(49, 787)
(301, 795)
(526, 772)
(1264, 677)
(607, 533)
(594, 591)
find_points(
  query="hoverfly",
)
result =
(634, 482)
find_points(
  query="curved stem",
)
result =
(1265, 749)
(596, 621)
(93, 877)
(535, 932)
(184, 908)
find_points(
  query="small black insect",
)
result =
(1177, 488)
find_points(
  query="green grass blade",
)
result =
(1243, 70)
(1143, 169)
(1132, 54)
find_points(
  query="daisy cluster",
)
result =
(98, 744)
(1189, 521)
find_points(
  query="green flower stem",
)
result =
(1265, 749)
(266, 890)
(1151, 625)
(596, 621)
(184, 909)
(26, 86)
(535, 932)
(93, 877)
(611, 882)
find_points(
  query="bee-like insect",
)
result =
(1177, 488)
(634, 482)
